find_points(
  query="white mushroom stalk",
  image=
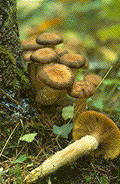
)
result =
(60, 158)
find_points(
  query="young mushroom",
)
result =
(49, 39)
(93, 79)
(57, 78)
(39, 58)
(93, 133)
(81, 91)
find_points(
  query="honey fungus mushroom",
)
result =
(57, 78)
(81, 91)
(61, 51)
(30, 45)
(39, 58)
(93, 79)
(44, 56)
(94, 133)
(74, 61)
(49, 39)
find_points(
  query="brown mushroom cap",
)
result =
(61, 51)
(49, 39)
(57, 76)
(30, 44)
(73, 60)
(45, 55)
(81, 89)
(93, 79)
(102, 128)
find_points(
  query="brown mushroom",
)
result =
(44, 56)
(32, 69)
(81, 91)
(30, 45)
(39, 58)
(74, 61)
(26, 56)
(102, 128)
(93, 133)
(93, 79)
(56, 77)
(49, 39)
(61, 51)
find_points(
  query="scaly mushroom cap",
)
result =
(93, 79)
(30, 45)
(49, 39)
(56, 76)
(73, 60)
(43, 56)
(102, 128)
(81, 89)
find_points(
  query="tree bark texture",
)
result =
(12, 73)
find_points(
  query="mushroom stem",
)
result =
(60, 158)
(47, 95)
(79, 106)
(36, 84)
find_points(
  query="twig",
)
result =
(8, 139)
(95, 172)
(8, 96)
(104, 77)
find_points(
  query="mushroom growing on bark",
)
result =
(39, 58)
(57, 78)
(49, 39)
(93, 133)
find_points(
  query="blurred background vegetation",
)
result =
(87, 26)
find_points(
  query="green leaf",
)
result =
(98, 103)
(20, 159)
(68, 112)
(64, 130)
(28, 137)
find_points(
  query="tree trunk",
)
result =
(12, 72)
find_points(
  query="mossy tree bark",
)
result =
(12, 73)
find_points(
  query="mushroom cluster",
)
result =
(51, 69)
